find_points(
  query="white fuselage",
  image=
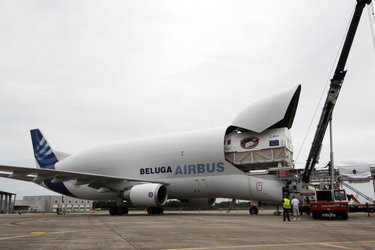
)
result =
(192, 163)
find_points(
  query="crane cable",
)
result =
(325, 87)
(371, 16)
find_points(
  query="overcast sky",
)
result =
(88, 72)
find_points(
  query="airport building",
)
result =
(50, 203)
(7, 201)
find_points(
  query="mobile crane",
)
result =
(332, 201)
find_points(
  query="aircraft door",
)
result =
(203, 186)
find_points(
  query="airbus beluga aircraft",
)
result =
(197, 167)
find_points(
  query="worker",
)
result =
(286, 208)
(295, 206)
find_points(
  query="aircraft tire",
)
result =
(123, 210)
(253, 210)
(118, 210)
(113, 211)
(316, 215)
(155, 210)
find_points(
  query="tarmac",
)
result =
(185, 230)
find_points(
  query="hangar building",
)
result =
(50, 203)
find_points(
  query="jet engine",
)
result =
(202, 202)
(147, 195)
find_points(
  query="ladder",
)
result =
(371, 200)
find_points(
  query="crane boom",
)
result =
(333, 93)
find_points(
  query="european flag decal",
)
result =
(274, 143)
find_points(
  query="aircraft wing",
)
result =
(97, 181)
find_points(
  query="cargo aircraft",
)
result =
(196, 167)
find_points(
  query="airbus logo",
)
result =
(187, 169)
(200, 168)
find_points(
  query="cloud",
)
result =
(88, 72)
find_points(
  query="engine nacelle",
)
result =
(147, 195)
(202, 202)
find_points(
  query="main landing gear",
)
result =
(253, 210)
(155, 210)
(118, 210)
(125, 210)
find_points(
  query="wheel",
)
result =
(155, 210)
(118, 210)
(113, 211)
(305, 209)
(338, 215)
(253, 210)
(316, 215)
(123, 210)
(343, 215)
(158, 210)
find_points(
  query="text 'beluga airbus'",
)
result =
(197, 167)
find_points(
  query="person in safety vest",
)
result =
(286, 208)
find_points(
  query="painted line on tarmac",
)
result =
(331, 244)
(33, 234)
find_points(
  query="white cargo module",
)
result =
(255, 151)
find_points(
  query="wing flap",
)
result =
(24, 178)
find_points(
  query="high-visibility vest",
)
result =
(286, 203)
